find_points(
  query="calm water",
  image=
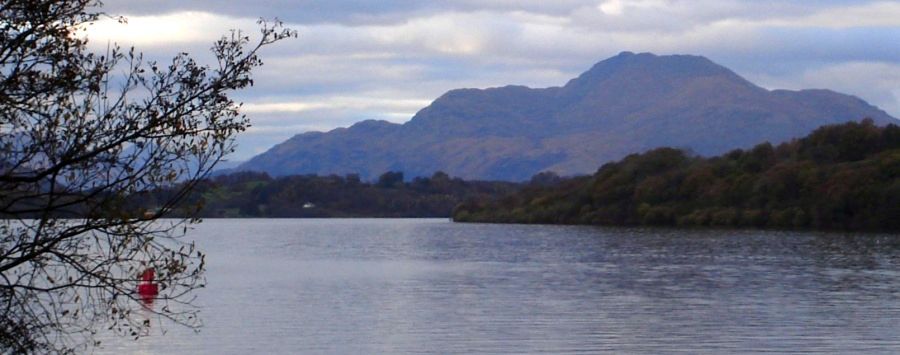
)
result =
(431, 286)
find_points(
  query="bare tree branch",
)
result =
(78, 143)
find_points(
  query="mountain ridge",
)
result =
(625, 104)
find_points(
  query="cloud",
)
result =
(336, 102)
(344, 12)
(619, 7)
(360, 59)
(171, 29)
(879, 14)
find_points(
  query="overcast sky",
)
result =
(367, 59)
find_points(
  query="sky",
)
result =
(364, 59)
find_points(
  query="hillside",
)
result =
(626, 104)
(844, 177)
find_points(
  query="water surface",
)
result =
(366, 286)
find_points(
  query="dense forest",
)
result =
(251, 194)
(839, 177)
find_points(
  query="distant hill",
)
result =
(626, 104)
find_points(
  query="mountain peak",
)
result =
(667, 68)
(628, 103)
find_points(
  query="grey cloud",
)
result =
(359, 12)
(298, 11)
(348, 12)
(416, 50)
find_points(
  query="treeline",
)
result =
(251, 194)
(840, 177)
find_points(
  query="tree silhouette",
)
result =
(81, 134)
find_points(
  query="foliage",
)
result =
(250, 194)
(842, 177)
(80, 134)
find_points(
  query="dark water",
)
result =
(431, 286)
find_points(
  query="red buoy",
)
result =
(147, 289)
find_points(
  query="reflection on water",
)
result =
(431, 286)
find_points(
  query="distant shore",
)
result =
(840, 177)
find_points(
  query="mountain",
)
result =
(625, 104)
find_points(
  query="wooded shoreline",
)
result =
(840, 177)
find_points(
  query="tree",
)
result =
(390, 179)
(81, 135)
(545, 179)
